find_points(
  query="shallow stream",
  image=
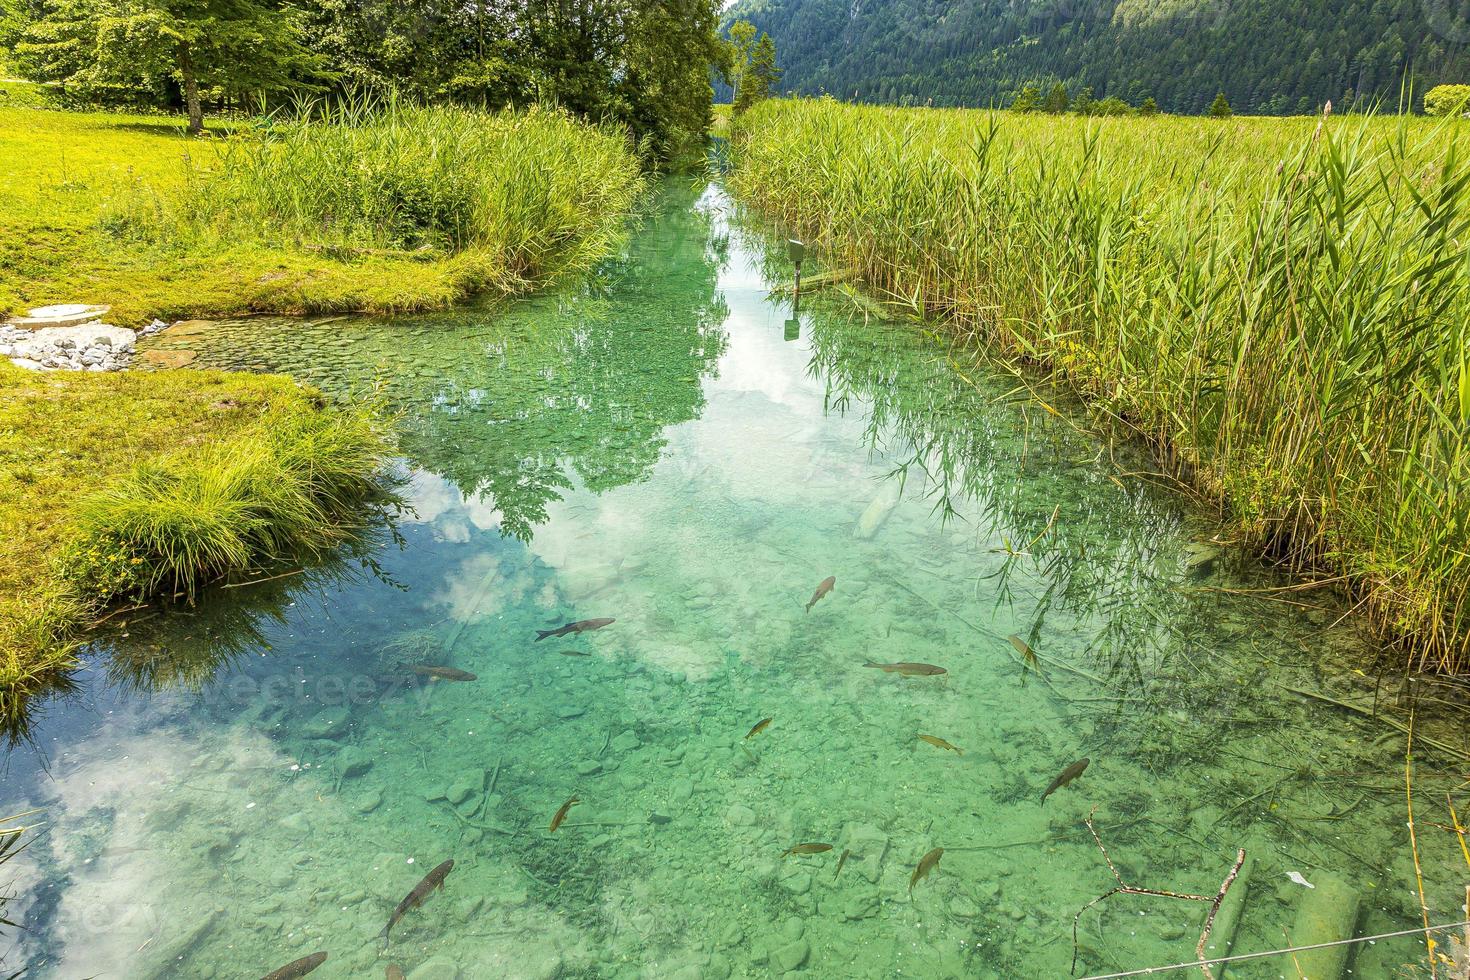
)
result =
(666, 445)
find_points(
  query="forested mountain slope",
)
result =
(1268, 56)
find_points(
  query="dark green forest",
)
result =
(1267, 56)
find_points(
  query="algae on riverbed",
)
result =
(681, 467)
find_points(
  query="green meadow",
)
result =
(1279, 305)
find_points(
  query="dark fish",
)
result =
(846, 853)
(581, 626)
(442, 673)
(909, 670)
(394, 972)
(575, 653)
(298, 968)
(658, 819)
(927, 863)
(562, 814)
(434, 879)
(806, 849)
(941, 743)
(822, 590)
(760, 726)
(1067, 775)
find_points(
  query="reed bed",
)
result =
(512, 200)
(1279, 305)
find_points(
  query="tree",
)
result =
(1026, 100)
(1447, 100)
(743, 36)
(1083, 105)
(1056, 100)
(1148, 107)
(753, 72)
(1220, 108)
(237, 46)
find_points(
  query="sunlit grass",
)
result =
(376, 208)
(1281, 305)
(134, 484)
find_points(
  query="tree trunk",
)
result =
(191, 89)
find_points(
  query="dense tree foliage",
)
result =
(641, 63)
(1270, 56)
(1447, 100)
(752, 73)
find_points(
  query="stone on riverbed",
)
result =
(60, 315)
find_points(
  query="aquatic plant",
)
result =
(512, 199)
(1279, 305)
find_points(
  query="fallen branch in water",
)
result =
(1127, 889)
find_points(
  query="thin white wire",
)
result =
(1272, 952)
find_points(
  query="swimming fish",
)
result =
(298, 968)
(581, 626)
(575, 653)
(434, 879)
(1066, 776)
(806, 849)
(1024, 649)
(846, 853)
(908, 670)
(941, 743)
(395, 972)
(760, 726)
(442, 673)
(927, 863)
(822, 590)
(562, 814)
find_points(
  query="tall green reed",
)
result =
(1281, 305)
(533, 194)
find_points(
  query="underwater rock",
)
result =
(370, 801)
(868, 845)
(353, 762)
(626, 742)
(327, 723)
(589, 767)
(435, 793)
(797, 884)
(733, 935)
(466, 785)
(437, 968)
(718, 967)
(790, 956)
(861, 905)
(793, 928)
(569, 711)
(961, 907)
(295, 824)
(680, 790)
(877, 512)
(740, 815)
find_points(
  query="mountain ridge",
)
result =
(1274, 57)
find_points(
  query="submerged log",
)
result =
(1328, 913)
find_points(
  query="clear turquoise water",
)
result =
(249, 781)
